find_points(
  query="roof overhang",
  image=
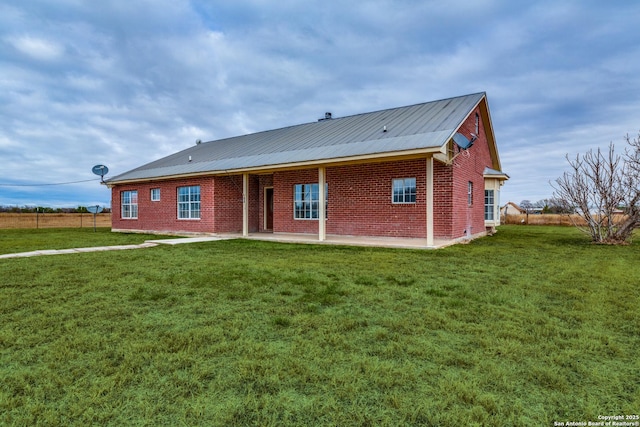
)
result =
(267, 169)
(495, 174)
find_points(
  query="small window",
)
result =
(489, 205)
(189, 202)
(155, 194)
(477, 124)
(306, 201)
(404, 190)
(470, 194)
(129, 204)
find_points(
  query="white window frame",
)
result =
(189, 207)
(155, 194)
(489, 204)
(129, 204)
(404, 191)
(470, 193)
(306, 201)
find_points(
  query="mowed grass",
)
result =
(27, 240)
(530, 326)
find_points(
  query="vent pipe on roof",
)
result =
(327, 116)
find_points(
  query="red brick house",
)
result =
(428, 171)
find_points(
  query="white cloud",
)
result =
(37, 48)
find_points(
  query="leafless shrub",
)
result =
(604, 188)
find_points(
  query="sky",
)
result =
(124, 82)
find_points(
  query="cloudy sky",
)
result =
(124, 82)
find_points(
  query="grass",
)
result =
(27, 240)
(530, 326)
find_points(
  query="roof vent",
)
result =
(327, 116)
(198, 141)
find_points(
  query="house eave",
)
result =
(266, 169)
(501, 177)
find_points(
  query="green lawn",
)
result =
(27, 240)
(531, 326)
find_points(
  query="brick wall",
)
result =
(470, 219)
(163, 215)
(283, 183)
(359, 200)
(228, 204)
(442, 200)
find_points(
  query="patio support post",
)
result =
(245, 204)
(322, 234)
(430, 201)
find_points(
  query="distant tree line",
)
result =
(45, 209)
(548, 206)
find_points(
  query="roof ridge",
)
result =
(333, 119)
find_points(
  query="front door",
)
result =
(268, 208)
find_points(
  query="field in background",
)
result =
(528, 327)
(53, 220)
(543, 219)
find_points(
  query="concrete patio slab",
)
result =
(383, 242)
(198, 239)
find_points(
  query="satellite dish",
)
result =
(101, 170)
(462, 141)
(95, 209)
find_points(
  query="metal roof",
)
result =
(392, 131)
(488, 172)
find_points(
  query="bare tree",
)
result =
(604, 188)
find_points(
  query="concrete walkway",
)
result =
(147, 244)
(382, 242)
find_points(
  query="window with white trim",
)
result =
(489, 205)
(306, 201)
(155, 194)
(404, 190)
(189, 202)
(129, 204)
(470, 193)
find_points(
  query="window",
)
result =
(404, 190)
(155, 194)
(470, 194)
(477, 124)
(489, 205)
(306, 200)
(129, 204)
(189, 202)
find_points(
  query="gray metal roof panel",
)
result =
(413, 127)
